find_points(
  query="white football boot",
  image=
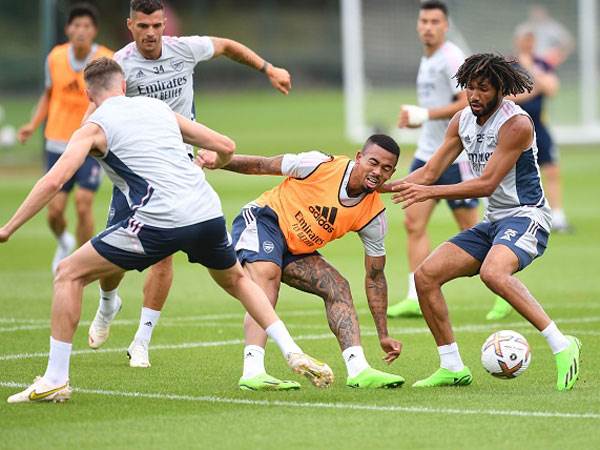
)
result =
(40, 391)
(138, 354)
(318, 373)
(100, 326)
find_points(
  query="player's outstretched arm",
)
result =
(514, 137)
(246, 164)
(377, 297)
(39, 115)
(87, 138)
(279, 77)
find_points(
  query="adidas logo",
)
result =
(72, 86)
(140, 74)
(351, 357)
(148, 324)
(325, 216)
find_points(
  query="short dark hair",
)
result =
(504, 74)
(99, 73)
(146, 6)
(384, 141)
(434, 4)
(83, 10)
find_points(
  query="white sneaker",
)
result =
(62, 251)
(318, 373)
(100, 326)
(40, 391)
(138, 354)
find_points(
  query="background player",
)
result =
(139, 143)
(439, 99)
(499, 138)
(63, 105)
(277, 237)
(163, 68)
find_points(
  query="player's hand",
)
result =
(391, 347)
(280, 79)
(4, 234)
(412, 116)
(206, 159)
(25, 132)
(410, 193)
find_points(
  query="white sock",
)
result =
(412, 289)
(65, 240)
(559, 219)
(254, 361)
(450, 358)
(556, 340)
(279, 333)
(57, 372)
(148, 320)
(355, 360)
(108, 302)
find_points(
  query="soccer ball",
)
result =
(505, 354)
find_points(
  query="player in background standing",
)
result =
(439, 99)
(500, 139)
(140, 143)
(63, 105)
(162, 67)
(277, 237)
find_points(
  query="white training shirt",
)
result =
(437, 88)
(169, 78)
(303, 164)
(520, 193)
(148, 161)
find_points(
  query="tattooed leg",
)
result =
(268, 277)
(316, 276)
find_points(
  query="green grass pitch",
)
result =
(189, 397)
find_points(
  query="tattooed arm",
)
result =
(279, 78)
(377, 297)
(247, 164)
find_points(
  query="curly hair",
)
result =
(504, 74)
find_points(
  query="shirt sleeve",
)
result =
(201, 46)
(47, 78)
(373, 235)
(454, 60)
(302, 165)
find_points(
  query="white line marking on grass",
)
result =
(471, 328)
(321, 405)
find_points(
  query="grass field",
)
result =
(189, 397)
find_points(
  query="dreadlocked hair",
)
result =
(504, 74)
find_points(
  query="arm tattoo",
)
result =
(377, 292)
(316, 276)
(242, 54)
(255, 165)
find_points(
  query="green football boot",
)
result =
(445, 377)
(409, 307)
(374, 379)
(567, 365)
(265, 382)
(500, 310)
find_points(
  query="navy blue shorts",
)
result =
(130, 244)
(454, 174)
(524, 236)
(547, 151)
(88, 176)
(257, 237)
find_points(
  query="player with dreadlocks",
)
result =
(499, 139)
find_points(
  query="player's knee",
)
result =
(491, 276)
(83, 207)
(425, 278)
(413, 226)
(55, 215)
(65, 272)
(339, 290)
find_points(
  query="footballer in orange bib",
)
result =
(277, 236)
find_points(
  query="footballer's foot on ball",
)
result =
(374, 379)
(265, 382)
(100, 326)
(409, 307)
(500, 310)
(63, 250)
(138, 354)
(445, 377)
(40, 391)
(319, 373)
(567, 365)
